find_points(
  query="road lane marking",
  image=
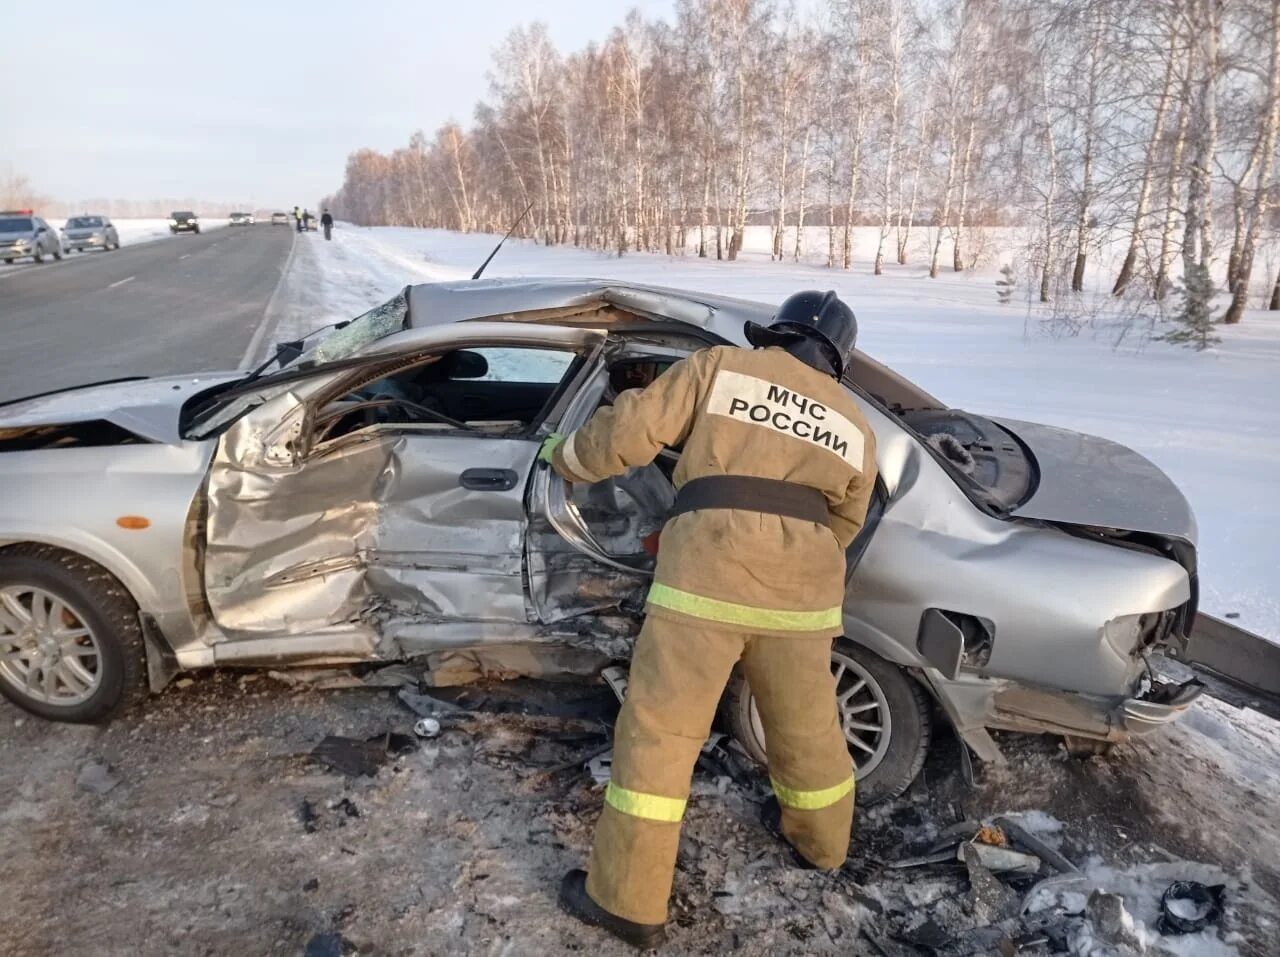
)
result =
(184, 255)
(121, 282)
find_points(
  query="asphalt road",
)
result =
(187, 304)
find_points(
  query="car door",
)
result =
(324, 513)
(591, 547)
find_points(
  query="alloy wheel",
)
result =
(863, 712)
(47, 651)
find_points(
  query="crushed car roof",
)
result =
(443, 302)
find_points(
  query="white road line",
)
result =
(121, 282)
(184, 255)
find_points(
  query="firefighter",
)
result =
(776, 470)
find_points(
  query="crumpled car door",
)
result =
(379, 532)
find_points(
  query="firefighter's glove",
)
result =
(549, 446)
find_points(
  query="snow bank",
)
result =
(1207, 419)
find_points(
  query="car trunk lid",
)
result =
(1093, 482)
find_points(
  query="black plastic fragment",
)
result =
(1189, 906)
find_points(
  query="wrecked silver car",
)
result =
(375, 496)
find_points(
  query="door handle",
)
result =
(489, 480)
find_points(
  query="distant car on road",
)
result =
(279, 219)
(22, 234)
(90, 232)
(242, 219)
(184, 222)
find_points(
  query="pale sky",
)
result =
(257, 102)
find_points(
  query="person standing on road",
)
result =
(327, 222)
(297, 217)
(776, 470)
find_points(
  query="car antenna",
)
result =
(519, 220)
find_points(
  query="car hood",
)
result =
(1085, 480)
(79, 231)
(146, 407)
(23, 234)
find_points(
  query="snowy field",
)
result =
(131, 232)
(1207, 419)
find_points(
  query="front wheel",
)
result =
(884, 715)
(37, 256)
(57, 254)
(71, 646)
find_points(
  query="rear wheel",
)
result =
(884, 715)
(71, 646)
(37, 256)
(57, 254)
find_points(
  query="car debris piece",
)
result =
(1112, 921)
(990, 900)
(1000, 860)
(1029, 842)
(617, 678)
(425, 705)
(355, 757)
(96, 778)
(936, 857)
(307, 815)
(600, 767)
(426, 728)
(1188, 906)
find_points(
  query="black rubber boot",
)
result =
(771, 819)
(575, 901)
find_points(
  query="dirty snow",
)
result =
(1209, 420)
(202, 844)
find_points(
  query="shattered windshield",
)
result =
(378, 323)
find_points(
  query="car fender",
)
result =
(89, 546)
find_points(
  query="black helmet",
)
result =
(806, 319)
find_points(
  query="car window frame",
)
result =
(584, 357)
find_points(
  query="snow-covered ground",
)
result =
(131, 232)
(1208, 419)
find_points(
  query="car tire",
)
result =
(196, 230)
(909, 731)
(57, 254)
(37, 256)
(111, 662)
(8, 262)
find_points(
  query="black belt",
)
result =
(775, 497)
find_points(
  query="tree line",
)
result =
(1148, 123)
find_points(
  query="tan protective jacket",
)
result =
(763, 414)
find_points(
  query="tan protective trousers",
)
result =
(677, 676)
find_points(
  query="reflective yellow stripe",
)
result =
(654, 807)
(811, 800)
(730, 613)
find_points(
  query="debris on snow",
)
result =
(96, 778)
(1187, 906)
